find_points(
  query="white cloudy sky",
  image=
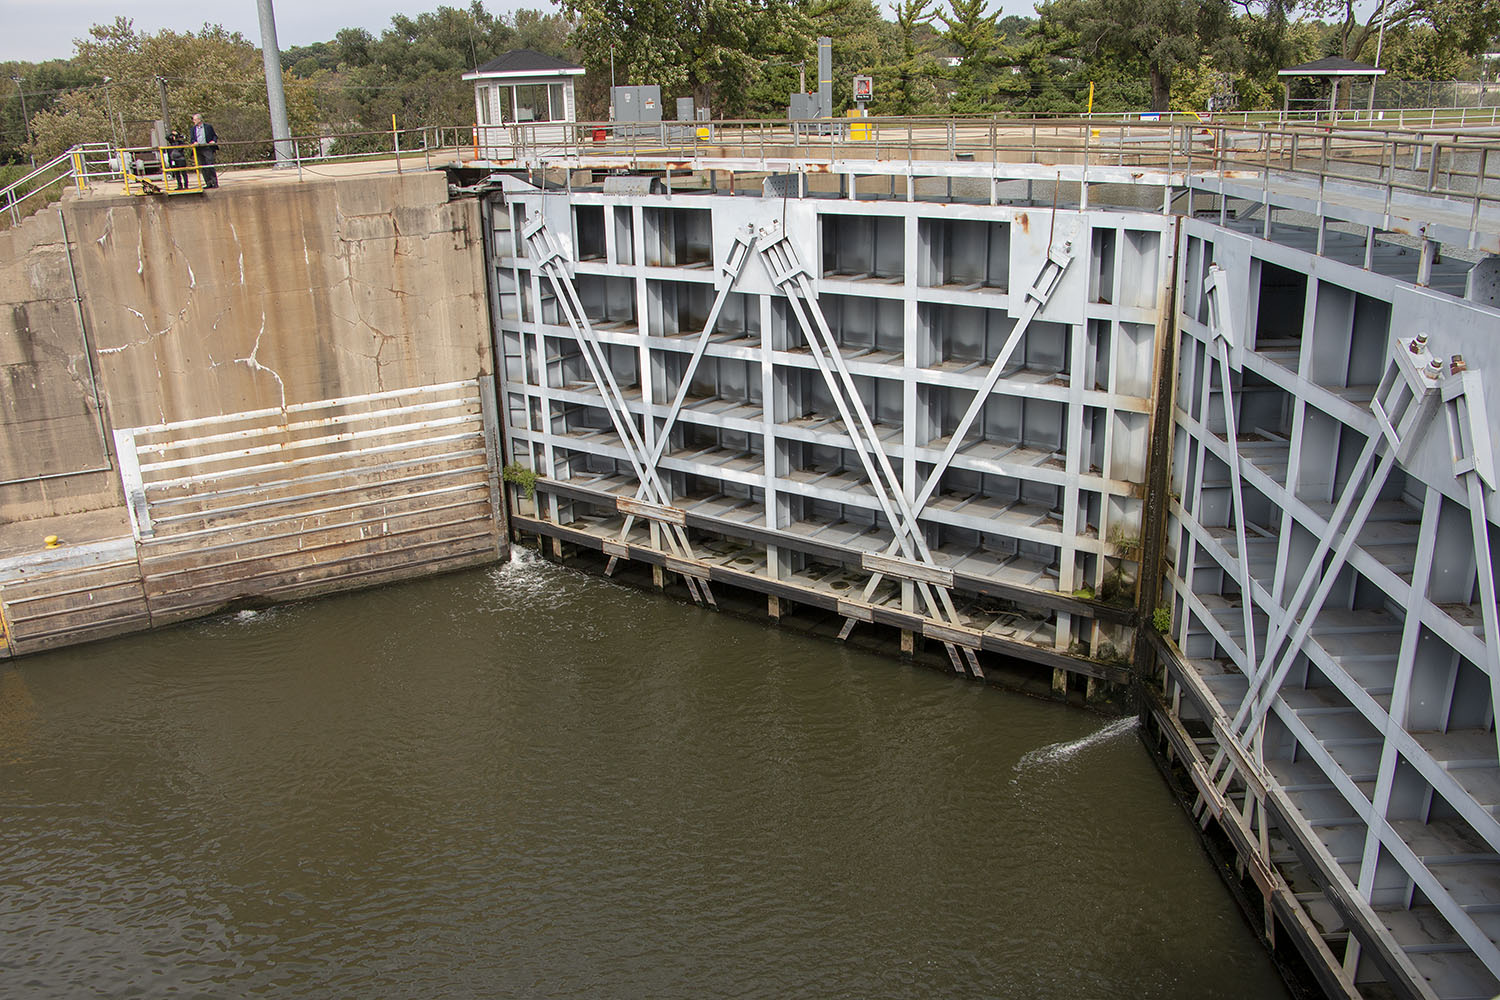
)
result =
(34, 30)
(44, 29)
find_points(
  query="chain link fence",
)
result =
(1312, 94)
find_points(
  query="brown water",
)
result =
(531, 782)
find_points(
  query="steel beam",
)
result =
(788, 274)
(549, 261)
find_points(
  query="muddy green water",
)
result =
(531, 782)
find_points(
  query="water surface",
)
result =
(532, 782)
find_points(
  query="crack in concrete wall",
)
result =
(218, 314)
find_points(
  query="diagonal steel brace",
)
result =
(789, 275)
(550, 261)
(1036, 297)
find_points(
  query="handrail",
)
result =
(72, 165)
(1453, 163)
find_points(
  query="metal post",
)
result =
(25, 118)
(166, 118)
(281, 132)
(109, 110)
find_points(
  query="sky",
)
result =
(45, 29)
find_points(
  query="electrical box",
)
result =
(636, 104)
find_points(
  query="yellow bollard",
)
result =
(52, 541)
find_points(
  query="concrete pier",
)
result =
(280, 390)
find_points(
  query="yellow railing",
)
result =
(176, 170)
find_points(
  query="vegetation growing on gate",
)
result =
(519, 476)
(1161, 620)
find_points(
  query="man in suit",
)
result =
(207, 142)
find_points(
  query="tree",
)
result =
(711, 50)
(1461, 26)
(910, 78)
(43, 85)
(973, 38)
(214, 71)
(305, 60)
(1156, 35)
(415, 68)
(863, 42)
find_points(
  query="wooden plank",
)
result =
(906, 569)
(98, 601)
(466, 436)
(326, 577)
(279, 413)
(280, 509)
(80, 622)
(226, 531)
(410, 466)
(77, 581)
(687, 567)
(229, 565)
(651, 511)
(74, 636)
(955, 634)
(331, 442)
(614, 548)
(857, 610)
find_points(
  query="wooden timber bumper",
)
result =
(1182, 694)
(258, 507)
(716, 572)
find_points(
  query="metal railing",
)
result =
(80, 165)
(1457, 164)
(1461, 170)
(177, 167)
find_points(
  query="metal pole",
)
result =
(825, 77)
(281, 132)
(25, 118)
(109, 109)
(166, 121)
(1379, 45)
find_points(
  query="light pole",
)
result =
(109, 110)
(1379, 46)
(281, 132)
(25, 118)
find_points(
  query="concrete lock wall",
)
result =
(51, 431)
(195, 307)
(289, 381)
(280, 294)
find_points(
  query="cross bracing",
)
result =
(940, 417)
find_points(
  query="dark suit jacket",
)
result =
(210, 137)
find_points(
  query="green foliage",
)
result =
(736, 57)
(216, 72)
(863, 42)
(905, 86)
(1149, 37)
(1117, 588)
(415, 68)
(42, 84)
(518, 475)
(973, 38)
(711, 50)
(48, 194)
(1124, 539)
(1161, 620)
